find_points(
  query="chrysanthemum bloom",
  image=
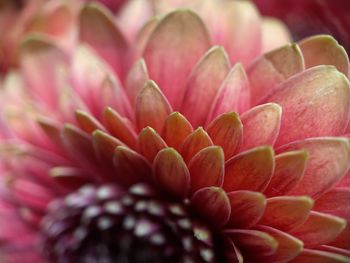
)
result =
(165, 147)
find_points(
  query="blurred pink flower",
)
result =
(306, 18)
(176, 138)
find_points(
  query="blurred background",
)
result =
(309, 17)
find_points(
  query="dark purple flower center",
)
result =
(110, 224)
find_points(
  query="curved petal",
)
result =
(321, 91)
(180, 34)
(150, 143)
(250, 170)
(317, 256)
(171, 173)
(329, 160)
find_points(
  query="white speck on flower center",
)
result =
(114, 207)
(143, 228)
(129, 222)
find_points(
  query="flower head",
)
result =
(178, 141)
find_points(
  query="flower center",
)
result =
(111, 224)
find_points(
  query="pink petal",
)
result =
(317, 256)
(207, 168)
(150, 143)
(247, 208)
(338, 196)
(136, 79)
(264, 118)
(87, 122)
(233, 95)
(151, 108)
(226, 131)
(202, 85)
(328, 161)
(180, 34)
(131, 167)
(273, 68)
(120, 127)
(171, 173)
(249, 170)
(324, 50)
(253, 241)
(319, 229)
(99, 31)
(195, 142)
(286, 212)
(213, 205)
(176, 129)
(288, 246)
(321, 91)
(289, 170)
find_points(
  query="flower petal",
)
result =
(288, 246)
(324, 50)
(338, 196)
(171, 173)
(212, 203)
(207, 168)
(99, 31)
(264, 118)
(317, 256)
(286, 212)
(180, 34)
(136, 79)
(176, 129)
(247, 208)
(195, 142)
(329, 160)
(226, 131)
(151, 108)
(233, 95)
(131, 167)
(87, 122)
(119, 127)
(203, 83)
(274, 34)
(320, 91)
(273, 68)
(319, 229)
(253, 241)
(289, 169)
(150, 143)
(250, 170)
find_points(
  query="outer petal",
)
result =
(289, 170)
(264, 118)
(324, 50)
(274, 34)
(317, 256)
(136, 79)
(249, 170)
(171, 173)
(98, 30)
(212, 203)
(329, 160)
(180, 35)
(319, 229)
(273, 68)
(286, 212)
(321, 91)
(203, 83)
(288, 246)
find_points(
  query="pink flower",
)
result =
(181, 141)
